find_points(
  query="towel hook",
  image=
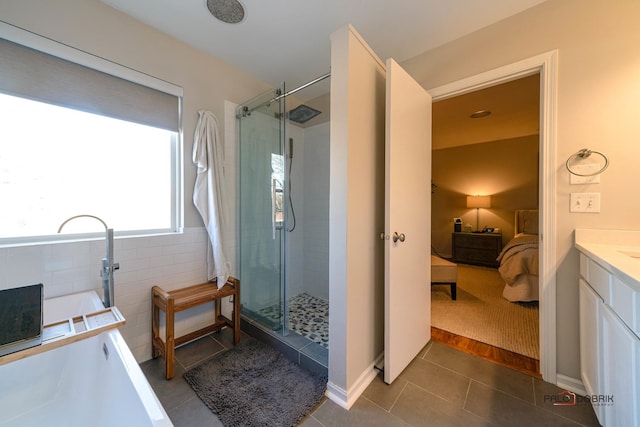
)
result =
(583, 154)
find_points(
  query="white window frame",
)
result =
(51, 47)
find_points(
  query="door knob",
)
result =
(397, 237)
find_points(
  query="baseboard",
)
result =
(572, 384)
(337, 395)
(346, 398)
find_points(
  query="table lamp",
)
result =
(478, 202)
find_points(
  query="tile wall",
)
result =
(170, 261)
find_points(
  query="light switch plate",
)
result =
(585, 202)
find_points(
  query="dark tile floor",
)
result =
(310, 355)
(441, 387)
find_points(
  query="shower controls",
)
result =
(397, 237)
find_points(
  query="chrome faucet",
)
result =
(108, 266)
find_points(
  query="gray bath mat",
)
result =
(252, 384)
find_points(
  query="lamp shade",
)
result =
(478, 201)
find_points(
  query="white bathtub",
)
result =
(93, 382)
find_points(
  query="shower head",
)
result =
(302, 113)
(229, 11)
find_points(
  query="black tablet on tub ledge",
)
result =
(21, 319)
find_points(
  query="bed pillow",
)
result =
(530, 222)
(524, 235)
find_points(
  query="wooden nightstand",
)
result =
(476, 248)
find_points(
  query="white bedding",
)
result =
(519, 259)
(524, 288)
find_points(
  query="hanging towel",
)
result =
(208, 193)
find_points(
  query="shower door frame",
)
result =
(269, 98)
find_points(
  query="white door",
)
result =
(407, 221)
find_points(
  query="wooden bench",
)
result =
(171, 302)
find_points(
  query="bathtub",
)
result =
(93, 382)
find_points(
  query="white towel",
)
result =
(208, 192)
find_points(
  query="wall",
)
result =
(295, 239)
(144, 262)
(356, 214)
(170, 261)
(598, 92)
(316, 211)
(308, 243)
(507, 170)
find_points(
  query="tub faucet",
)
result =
(108, 266)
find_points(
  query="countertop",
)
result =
(606, 246)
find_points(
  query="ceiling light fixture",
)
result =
(480, 113)
(229, 11)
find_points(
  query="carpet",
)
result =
(481, 313)
(252, 384)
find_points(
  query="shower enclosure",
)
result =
(283, 215)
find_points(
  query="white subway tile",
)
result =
(170, 261)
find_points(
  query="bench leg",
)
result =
(169, 341)
(217, 309)
(451, 284)
(236, 314)
(155, 329)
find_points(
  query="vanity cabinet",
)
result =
(620, 380)
(590, 306)
(609, 347)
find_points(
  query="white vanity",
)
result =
(610, 323)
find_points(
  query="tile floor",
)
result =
(306, 353)
(441, 387)
(308, 316)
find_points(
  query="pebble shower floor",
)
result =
(308, 316)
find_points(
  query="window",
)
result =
(76, 140)
(277, 188)
(57, 162)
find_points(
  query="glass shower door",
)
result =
(261, 212)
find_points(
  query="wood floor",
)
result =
(524, 364)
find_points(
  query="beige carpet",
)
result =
(481, 313)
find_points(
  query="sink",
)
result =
(631, 253)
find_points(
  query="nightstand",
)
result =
(476, 248)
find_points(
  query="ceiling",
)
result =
(514, 107)
(286, 40)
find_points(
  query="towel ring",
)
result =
(583, 154)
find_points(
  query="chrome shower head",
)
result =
(229, 11)
(303, 113)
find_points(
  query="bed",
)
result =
(519, 259)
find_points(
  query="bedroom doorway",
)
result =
(494, 155)
(543, 68)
